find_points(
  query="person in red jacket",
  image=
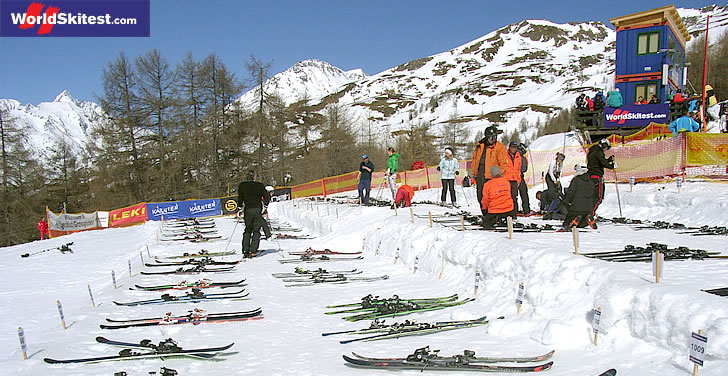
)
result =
(43, 228)
(497, 202)
(404, 196)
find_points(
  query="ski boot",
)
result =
(164, 371)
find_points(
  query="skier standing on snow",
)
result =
(43, 228)
(596, 162)
(497, 202)
(448, 168)
(391, 172)
(513, 173)
(523, 187)
(365, 179)
(579, 199)
(252, 195)
(488, 153)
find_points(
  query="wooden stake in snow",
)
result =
(657, 259)
(575, 231)
(442, 267)
(631, 183)
(23, 346)
(60, 312)
(93, 303)
(396, 256)
(129, 268)
(412, 215)
(462, 222)
(519, 297)
(429, 214)
(509, 219)
(595, 323)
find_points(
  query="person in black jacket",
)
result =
(596, 162)
(366, 167)
(252, 195)
(523, 187)
(579, 199)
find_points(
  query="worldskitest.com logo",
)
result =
(74, 18)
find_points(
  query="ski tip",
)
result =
(611, 372)
(101, 339)
(543, 367)
(51, 361)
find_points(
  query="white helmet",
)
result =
(605, 143)
(269, 188)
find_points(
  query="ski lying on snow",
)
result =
(194, 311)
(191, 319)
(369, 299)
(611, 372)
(470, 356)
(202, 253)
(303, 272)
(418, 330)
(194, 270)
(336, 281)
(445, 365)
(182, 299)
(324, 258)
(201, 284)
(192, 261)
(388, 311)
(326, 251)
(127, 354)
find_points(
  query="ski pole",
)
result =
(616, 186)
(231, 235)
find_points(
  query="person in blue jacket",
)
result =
(614, 98)
(448, 168)
(684, 123)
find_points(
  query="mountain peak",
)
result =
(65, 96)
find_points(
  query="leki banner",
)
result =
(157, 211)
(74, 18)
(128, 216)
(636, 115)
(60, 224)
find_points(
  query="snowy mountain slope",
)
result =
(695, 21)
(645, 326)
(49, 123)
(313, 78)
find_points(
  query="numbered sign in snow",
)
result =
(698, 344)
(597, 318)
(477, 280)
(417, 260)
(23, 346)
(60, 312)
(631, 180)
(679, 183)
(129, 268)
(113, 277)
(396, 256)
(519, 297)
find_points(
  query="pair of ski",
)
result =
(708, 230)
(293, 237)
(300, 272)
(424, 358)
(400, 307)
(194, 296)
(322, 258)
(330, 279)
(201, 253)
(195, 237)
(311, 251)
(379, 331)
(192, 261)
(371, 301)
(146, 349)
(195, 317)
(62, 248)
(194, 270)
(200, 284)
(635, 254)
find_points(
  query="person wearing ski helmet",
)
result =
(553, 177)
(448, 168)
(489, 152)
(252, 196)
(579, 199)
(596, 163)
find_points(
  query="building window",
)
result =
(646, 90)
(648, 43)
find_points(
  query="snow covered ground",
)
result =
(645, 326)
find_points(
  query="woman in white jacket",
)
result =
(448, 169)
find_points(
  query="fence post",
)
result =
(427, 174)
(323, 186)
(405, 176)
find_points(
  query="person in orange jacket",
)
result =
(489, 152)
(404, 196)
(513, 173)
(497, 202)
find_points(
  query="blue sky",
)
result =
(373, 35)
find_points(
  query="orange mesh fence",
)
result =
(650, 132)
(416, 179)
(312, 188)
(707, 155)
(647, 160)
(341, 183)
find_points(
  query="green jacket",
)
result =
(393, 163)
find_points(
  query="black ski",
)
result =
(192, 318)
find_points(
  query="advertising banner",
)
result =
(128, 216)
(74, 18)
(636, 115)
(156, 211)
(707, 149)
(229, 205)
(60, 224)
